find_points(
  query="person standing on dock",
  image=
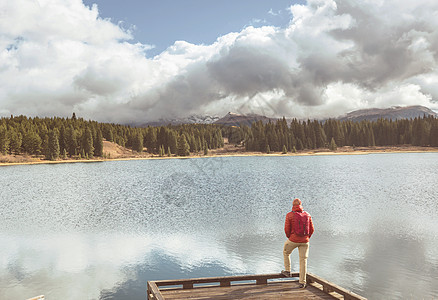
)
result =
(298, 228)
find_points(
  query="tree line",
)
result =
(57, 137)
(300, 135)
(75, 137)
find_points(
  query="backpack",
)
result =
(301, 223)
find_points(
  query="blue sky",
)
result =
(161, 23)
(139, 61)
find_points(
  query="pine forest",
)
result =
(55, 138)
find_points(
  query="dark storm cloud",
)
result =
(245, 71)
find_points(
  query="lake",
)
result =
(102, 230)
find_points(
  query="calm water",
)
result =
(102, 230)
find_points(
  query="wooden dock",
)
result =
(266, 286)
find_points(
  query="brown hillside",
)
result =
(113, 150)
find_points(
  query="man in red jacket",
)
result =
(297, 238)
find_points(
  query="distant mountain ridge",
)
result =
(392, 113)
(195, 119)
(235, 119)
(230, 119)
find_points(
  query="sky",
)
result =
(137, 61)
(195, 21)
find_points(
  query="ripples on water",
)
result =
(102, 230)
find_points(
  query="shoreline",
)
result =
(322, 152)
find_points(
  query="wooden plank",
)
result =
(276, 290)
(329, 287)
(225, 283)
(320, 287)
(187, 285)
(154, 292)
(228, 287)
(221, 279)
(40, 297)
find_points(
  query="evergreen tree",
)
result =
(71, 141)
(205, 149)
(151, 139)
(339, 134)
(173, 141)
(320, 136)
(292, 142)
(420, 131)
(45, 144)
(199, 143)
(300, 145)
(108, 133)
(371, 141)
(301, 136)
(183, 146)
(332, 145)
(87, 144)
(425, 134)
(192, 144)
(433, 140)
(4, 140)
(284, 149)
(354, 135)
(62, 140)
(31, 143)
(138, 142)
(15, 142)
(169, 153)
(272, 137)
(98, 144)
(162, 136)
(53, 145)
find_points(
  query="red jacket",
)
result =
(289, 224)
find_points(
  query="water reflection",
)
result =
(66, 266)
(93, 266)
(90, 231)
(117, 266)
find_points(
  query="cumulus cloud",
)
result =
(334, 56)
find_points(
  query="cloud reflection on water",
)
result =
(82, 266)
(100, 266)
(69, 266)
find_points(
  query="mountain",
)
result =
(229, 119)
(395, 112)
(196, 119)
(234, 119)
(237, 119)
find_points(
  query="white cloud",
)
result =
(272, 13)
(57, 57)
